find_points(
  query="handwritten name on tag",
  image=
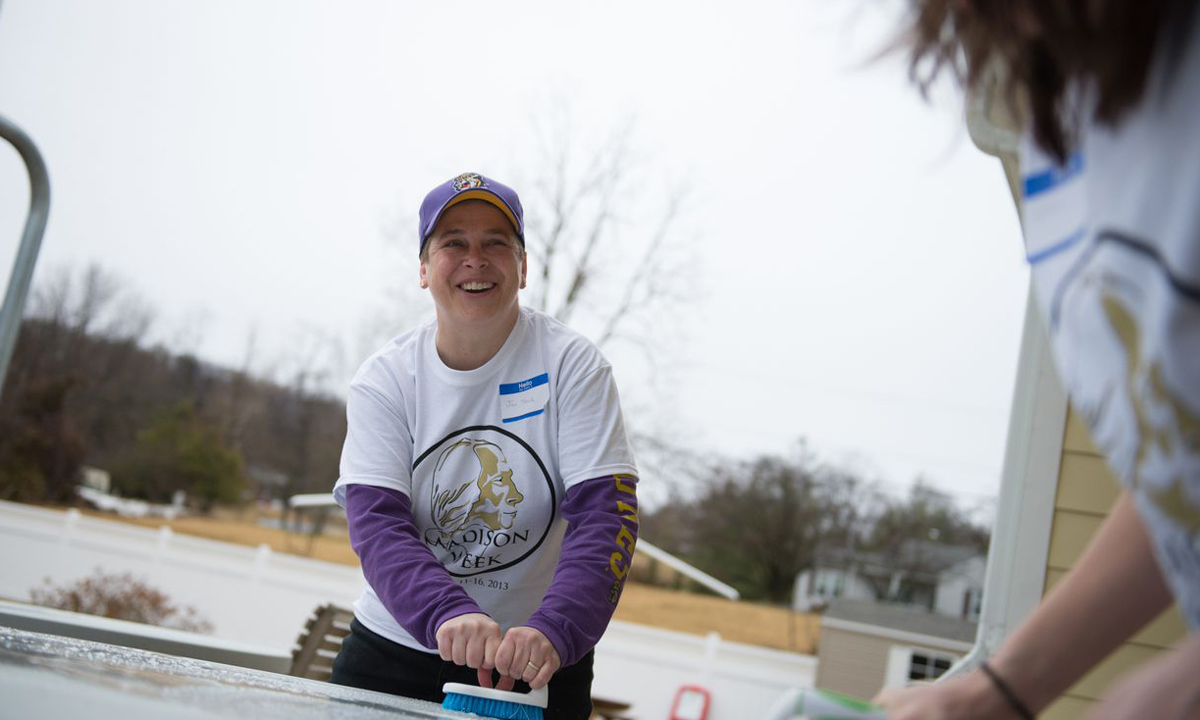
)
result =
(524, 399)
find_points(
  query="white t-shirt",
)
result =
(485, 456)
(1113, 238)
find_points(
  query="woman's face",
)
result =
(474, 267)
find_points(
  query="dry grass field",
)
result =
(737, 621)
(244, 528)
(745, 622)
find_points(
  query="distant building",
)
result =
(866, 646)
(945, 579)
(266, 483)
(95, 478)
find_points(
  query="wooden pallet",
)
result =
(318, 645)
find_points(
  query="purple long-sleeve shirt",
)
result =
(417, 590)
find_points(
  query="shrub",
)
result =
(180, 451)
(122, 597)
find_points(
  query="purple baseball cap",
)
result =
(470, 186)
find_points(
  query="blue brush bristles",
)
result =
(491, 702)
(492, 708)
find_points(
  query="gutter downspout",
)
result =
(1016, 566)
(1015, 576)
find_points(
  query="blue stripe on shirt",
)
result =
(1045, 181)
(539, 411)
(1057, 247)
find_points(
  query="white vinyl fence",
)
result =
(260, 597)
(647, 666)
(250, 594)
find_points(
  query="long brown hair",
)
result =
(1047, 46)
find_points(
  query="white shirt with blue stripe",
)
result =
(1113, 241)
(485, 456)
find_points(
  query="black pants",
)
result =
(373, 662)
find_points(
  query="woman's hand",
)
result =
(472, 640)
(967, 697)
(526, 654)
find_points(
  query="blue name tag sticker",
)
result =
(524, 399)
(1054, 204)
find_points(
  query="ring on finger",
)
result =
(530, 664)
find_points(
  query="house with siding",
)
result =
(1085, 492)
(866, 646)
(945, 579)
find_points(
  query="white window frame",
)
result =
(898, 672)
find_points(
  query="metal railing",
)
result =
(31, 241)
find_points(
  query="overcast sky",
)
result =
(855, 262)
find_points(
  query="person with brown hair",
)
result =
(1110, 182)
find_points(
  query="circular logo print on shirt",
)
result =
(482, 500)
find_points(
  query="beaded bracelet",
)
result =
(1021, 708)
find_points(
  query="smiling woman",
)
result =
(473, 264)
(487, 478)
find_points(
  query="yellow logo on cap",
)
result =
(468, 181)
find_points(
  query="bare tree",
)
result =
(605, 230)
(603, 234)
(95, 302)
(75, 356)
(300, 426)
(756, 524)
(604, 237)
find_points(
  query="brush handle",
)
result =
(824, 705)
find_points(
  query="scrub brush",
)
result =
(824, 705)
(494, 703)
